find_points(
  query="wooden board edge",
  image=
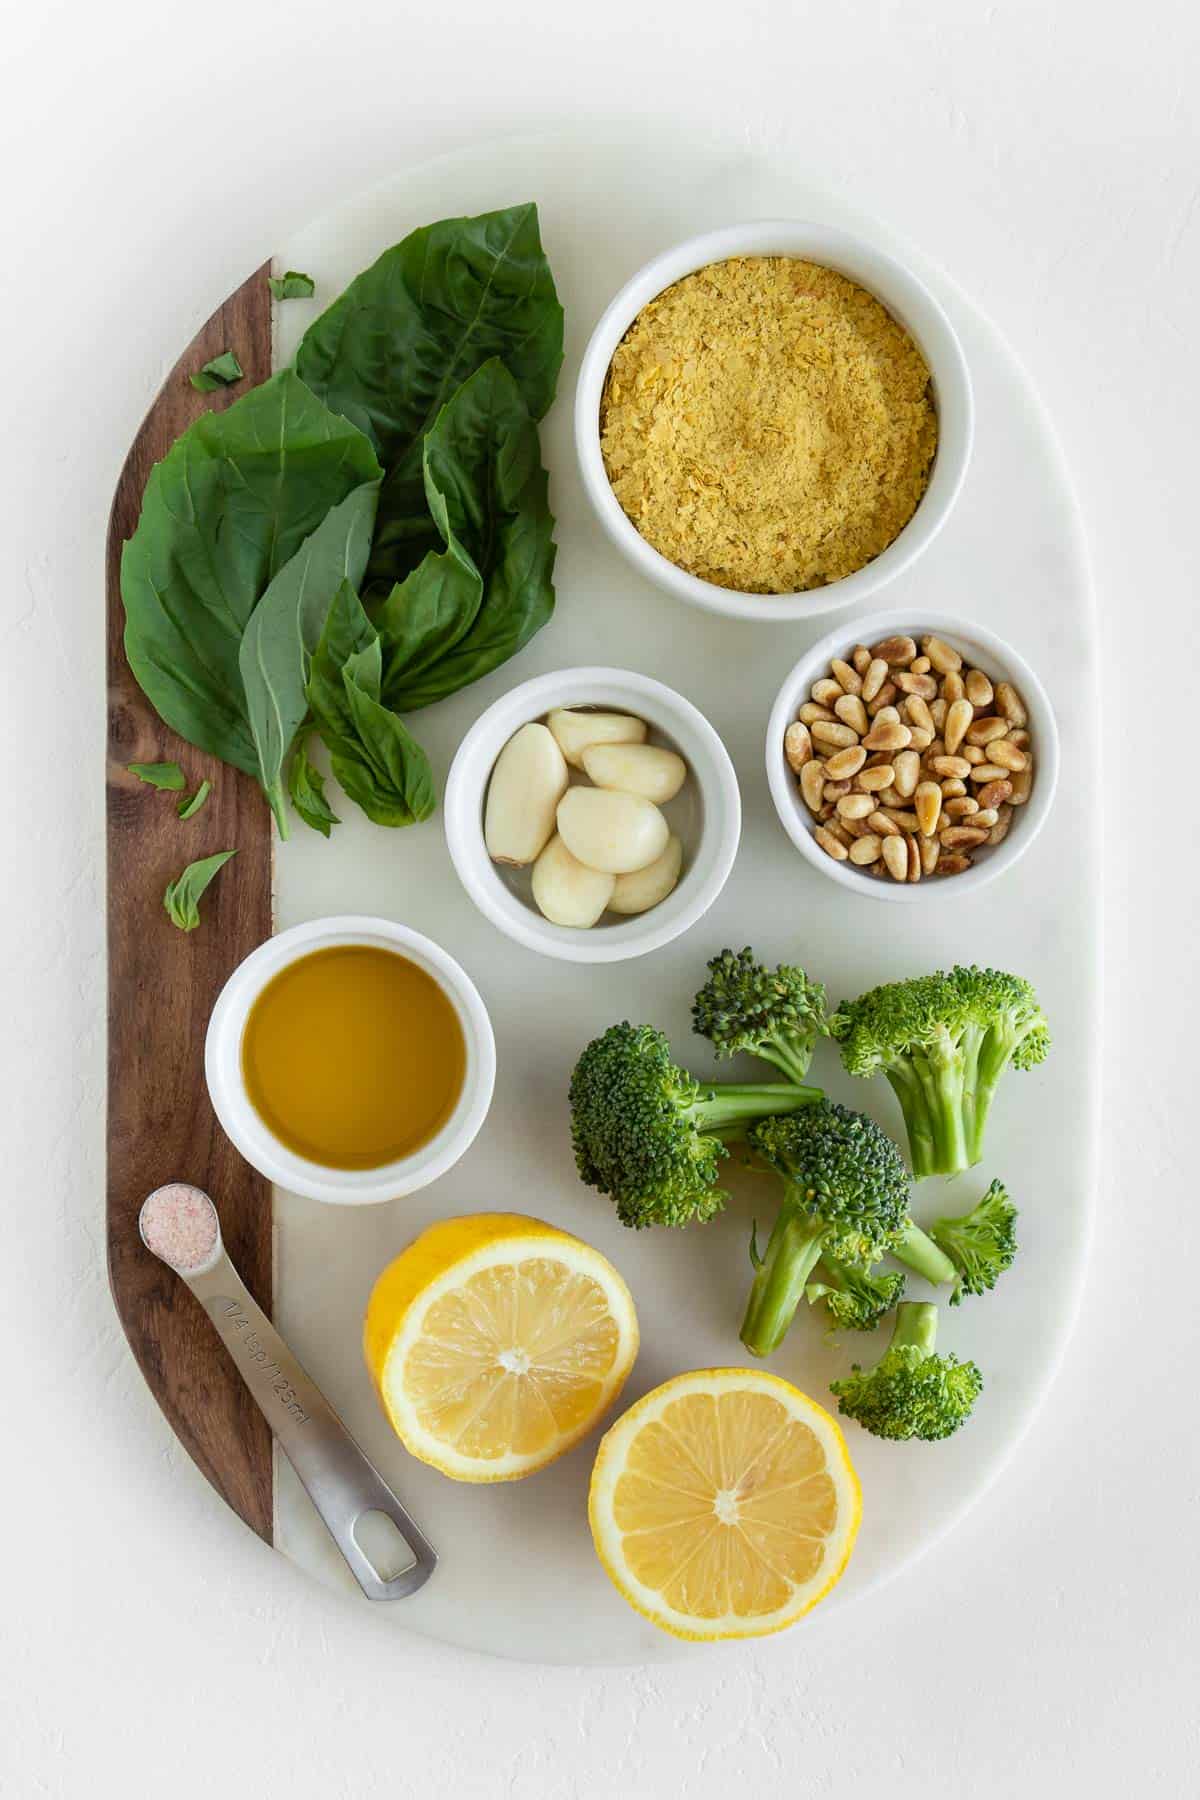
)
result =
(162, 984)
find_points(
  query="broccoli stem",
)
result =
(790, 1055)
(780, 1279)
(936, 1092)
(916, 1326)
(724, 1109)
(919, 1253)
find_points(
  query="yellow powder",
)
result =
(767, 425)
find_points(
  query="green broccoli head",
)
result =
(650, 1135)
(777, 1014)
(845, 1196)
(943, 1041)
(911, 1392)
(981, 1244)
(856, 1295)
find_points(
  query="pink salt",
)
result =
(179, 1223)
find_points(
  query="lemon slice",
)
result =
(724, 1504)
(496, 1342)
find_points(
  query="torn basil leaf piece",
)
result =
(159, 775)
(292, 286)
(221, 372)
(182, 898)
(191, 806)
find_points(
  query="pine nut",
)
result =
(999, 830)
(982, 731)
(812, 781)
(837, 828)
(832, 731)
(1020, 737)
(860, 656)
(927, 803)
(925, 685)
(937, 711)
(1011, 703)
(870, 781)
(957, 719)
(874, 678)
(1022, 781)
(953, 787)
(985, 772)
(844, 763)
(956, 836)
(884, 697)
(931, 849)
(972, 753)
(856, 806)
(826, 813)
(916, 711)
(994, 793)
(866, 850)
(914, 859)
(797, 746)
(826, 691)
(897, 652)
(895, 855)
(887, 715)
(941, 656)
(890, 735)
(920, 665)
(953, 687)
(921, 739)
(832, 846)
(852, 829)
(960, 807)
(954, 864)
(907, 821)
(986, 816)
(907, 767)
(882, 823)
(851, 711)
(950, 765)
(979, 688)
(812, 714)
(849, 679)
(833, 791)
(937, 748)
(1007, 755)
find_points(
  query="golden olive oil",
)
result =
(354, 1057)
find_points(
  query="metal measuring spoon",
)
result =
(179, 1225)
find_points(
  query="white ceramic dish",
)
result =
(518, 1577)
(259, 1145)
(908, 300)
(706, 814)
(1000, 662)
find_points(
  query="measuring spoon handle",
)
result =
(340, 1481)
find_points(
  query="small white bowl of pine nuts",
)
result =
(909, 756)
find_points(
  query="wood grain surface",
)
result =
(162, 983)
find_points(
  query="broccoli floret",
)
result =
(845, 1194)
(777, 1014)
(981, 1244)
(943, 1041)
(911, 1393)
(856, 1295)
(651, 1136)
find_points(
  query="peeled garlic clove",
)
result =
(566, 892)
(638, 892)
(574, 731)
(528, 781)
(642, 769)
(613, 832)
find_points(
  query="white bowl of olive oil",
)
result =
(350, 1060)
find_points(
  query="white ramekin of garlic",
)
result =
(592, 814)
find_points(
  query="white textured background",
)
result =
(1046, 152)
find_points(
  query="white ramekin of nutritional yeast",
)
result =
(979, 649)
(902, 294)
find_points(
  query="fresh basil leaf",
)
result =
(182, 898)
(229, 505)
(375, 760)
(292, 286)
(306, 787)
(285, 629)
(487, 492)
(190, 807)
(159, 775)
(406, 334)
(221, 372)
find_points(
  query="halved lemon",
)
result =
(496, 1342)
(724, 1504)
